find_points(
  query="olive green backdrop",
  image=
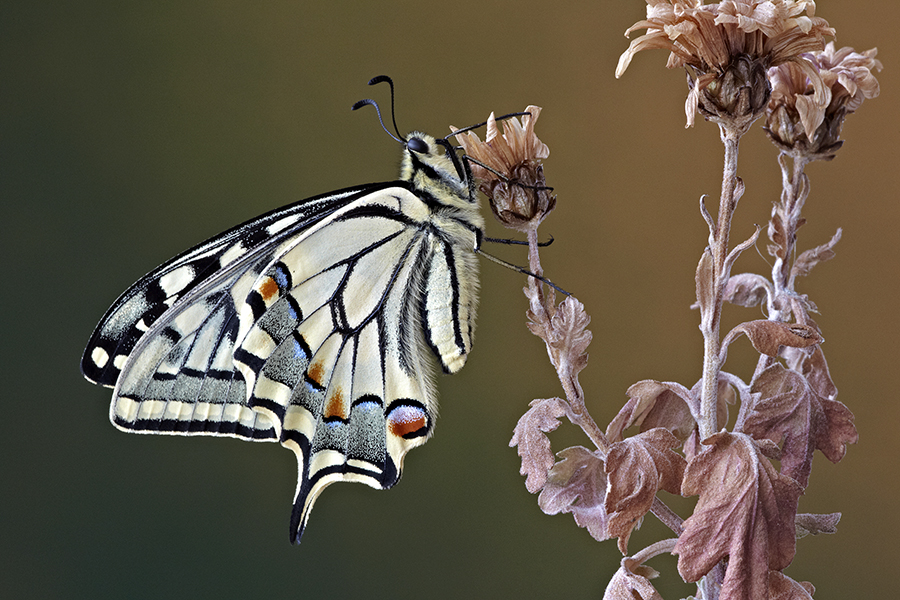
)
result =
(133, 130)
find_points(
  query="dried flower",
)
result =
(510, 171)
(727, 48)
(800, 126)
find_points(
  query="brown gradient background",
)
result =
(133, 130)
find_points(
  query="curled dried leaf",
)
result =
(809, 524)
(782, 587)
(790, 412)
(637, 468)
(632, 582)
(534, 445)
(655, 404)
(577, 485)
(704, 278)
(747, 289)
(768, 337)
(809, 259)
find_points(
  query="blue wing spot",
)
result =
(281, 275)
(301, 349)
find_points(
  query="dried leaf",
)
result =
(654, 404)
(706, 295)
(814, 368)
(534, 446)
(569, 337)
(745, 511)
(768, 337)
(632, 582)
(747, 289)
(809, 259)
(809, 524)
(636, 469)
(577, 485)
(782, 587)
(789, 410)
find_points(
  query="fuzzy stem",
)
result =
(543, 310)
(787, 211)
(710, 321)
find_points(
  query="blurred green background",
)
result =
(133, 130)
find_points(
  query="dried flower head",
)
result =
(727, 47)
(510, 171)
(800, 126)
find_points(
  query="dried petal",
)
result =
(534, 446)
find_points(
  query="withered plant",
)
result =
(745, 60)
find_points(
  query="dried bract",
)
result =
(511, 173)
(800, 126)
(727, 48)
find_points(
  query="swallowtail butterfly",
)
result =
(313, 325)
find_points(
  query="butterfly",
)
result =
(316, 325)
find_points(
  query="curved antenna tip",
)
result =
(361, 103)
(379, 78)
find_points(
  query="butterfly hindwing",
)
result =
(315, 325)
(356, 395)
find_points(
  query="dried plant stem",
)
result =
(793, 195)
(711, 317)
(543, 309)
(667, 516)
(786, 220)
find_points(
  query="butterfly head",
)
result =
(430, 162)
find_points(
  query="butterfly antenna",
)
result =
(371, 102)
(522, 270)
(390, 82)
(503, 118)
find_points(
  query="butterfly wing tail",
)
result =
(309, 488)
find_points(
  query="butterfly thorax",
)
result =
(445, 182)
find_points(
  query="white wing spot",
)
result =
(119, 361)
(176, 280)
(230, 255)
(99, 356)
(281, 224)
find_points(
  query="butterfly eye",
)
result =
(417, 145)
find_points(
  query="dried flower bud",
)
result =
(512, 175)
(736, 96)
(801, 127)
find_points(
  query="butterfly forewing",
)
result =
(315, 325)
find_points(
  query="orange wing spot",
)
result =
(409, 420)
(335, 405)
(315, 372)
(268, 288)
